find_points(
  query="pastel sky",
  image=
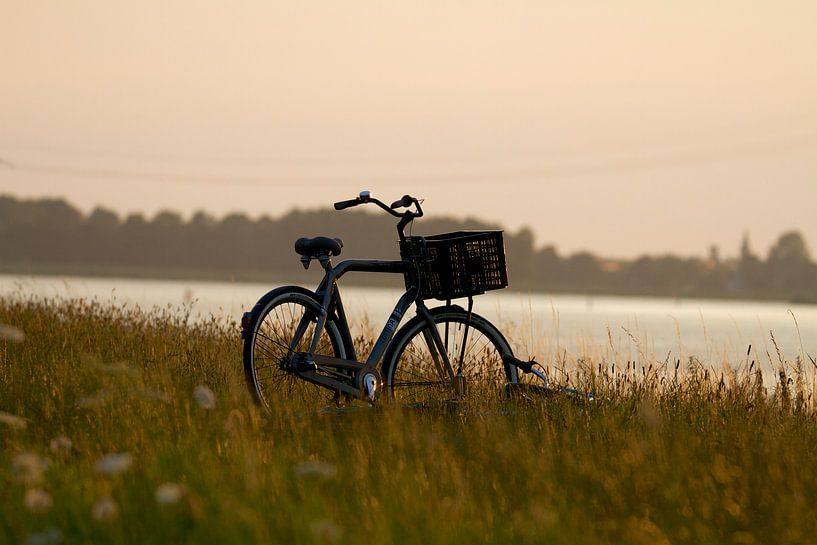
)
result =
(617, 127)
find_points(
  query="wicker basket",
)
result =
(458, 264)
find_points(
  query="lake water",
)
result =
(541, 325)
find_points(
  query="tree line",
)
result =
(50, 235)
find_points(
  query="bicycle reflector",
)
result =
(245, 320)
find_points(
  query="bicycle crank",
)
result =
(344, 376)
(369, 382)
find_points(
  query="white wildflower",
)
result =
(117, 368)
(94, 400)
(29, 468)
(315, 467)
(49, 536)
(114, 464)
(154, 395)
(104, 509)
(61, 446)
(168, 493)
(326, 530)
(11, 334)
(234, 422)
(37, 500)
(205, 397)
(16, 422)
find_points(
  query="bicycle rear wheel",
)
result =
(281, 323)
(412, 366)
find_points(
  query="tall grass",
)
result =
(670, 452)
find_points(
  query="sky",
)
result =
(621, 128)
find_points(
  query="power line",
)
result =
(764, 126)
(625, 163)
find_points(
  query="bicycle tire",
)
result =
(409, 370)
(269, 334)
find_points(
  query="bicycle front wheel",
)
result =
(413, 367)
(282, 323)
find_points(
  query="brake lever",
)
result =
(403, 202)
(527, 367)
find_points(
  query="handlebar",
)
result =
(405, 201)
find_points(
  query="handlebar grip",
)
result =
(341, 205)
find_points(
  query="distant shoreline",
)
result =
(53, 237)
(313, 276)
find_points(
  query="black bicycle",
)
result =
(295, 338)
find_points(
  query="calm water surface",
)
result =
(538, 325)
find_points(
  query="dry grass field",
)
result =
(123, 426)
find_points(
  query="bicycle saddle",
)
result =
(314, 247)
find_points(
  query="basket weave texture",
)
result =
(458, 264)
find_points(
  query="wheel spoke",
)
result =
(286, 327)
(416, 372)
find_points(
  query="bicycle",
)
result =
(294, 336)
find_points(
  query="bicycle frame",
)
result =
(331, 301)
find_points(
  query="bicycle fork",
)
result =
(438, 348)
